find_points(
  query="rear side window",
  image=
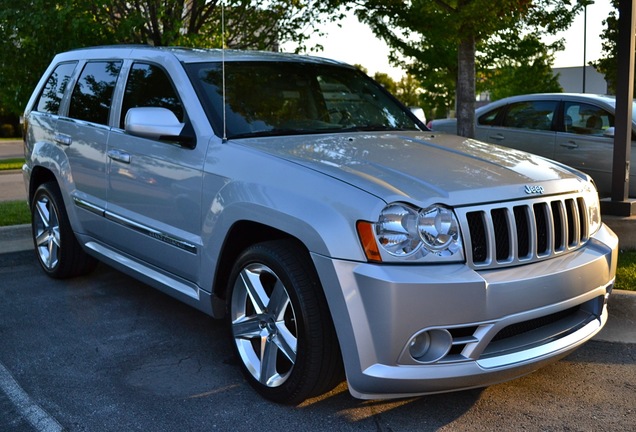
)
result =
(535, 115)
(93, 93)
(51, 96)
(490, 118)
(149, 86)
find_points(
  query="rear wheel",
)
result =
(56, 247)
(280, 324)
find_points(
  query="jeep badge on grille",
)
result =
(531, 190)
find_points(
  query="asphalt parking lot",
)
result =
(107, 353)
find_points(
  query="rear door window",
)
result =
(490, 118)
(93, 94)
(535, 115)
(51, 97)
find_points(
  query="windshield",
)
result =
(283, 98)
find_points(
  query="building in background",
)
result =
(571, 79)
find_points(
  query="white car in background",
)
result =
(575, 129)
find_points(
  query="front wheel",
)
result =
(281, 327)
(56, 247)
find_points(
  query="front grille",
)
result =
(520, 232)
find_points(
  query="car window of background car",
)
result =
(53, 91)
(149, 86)
(490, 118)
(585, 119)
(531, 115)
(93, 93)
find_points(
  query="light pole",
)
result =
(585, 38)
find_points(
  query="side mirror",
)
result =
(156, 123)
(609, 132)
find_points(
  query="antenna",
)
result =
(224, 139)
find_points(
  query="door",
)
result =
(154, 186)
(84, 134)
(526, 125)
(583, 143)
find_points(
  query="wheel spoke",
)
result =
(43, 212)
(254, 287)
(52, 253)
(268, 373)
(55, 235)
(43, 239)
(279, 301)
(247, 327)
(286, 341)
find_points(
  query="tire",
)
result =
(281, 328)
(56, 247)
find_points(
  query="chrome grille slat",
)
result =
(500, 235)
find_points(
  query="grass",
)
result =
(626, 271)
(14, 213)
(11, 164)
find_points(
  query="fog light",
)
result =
(430, 346)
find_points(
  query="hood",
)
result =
(424, 168)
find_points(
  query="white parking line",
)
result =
(30, 411)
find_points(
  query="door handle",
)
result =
(570, 145)
(63, 139)
(119, 156)
(497, 137)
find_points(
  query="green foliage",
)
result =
(407, 90)
(608, 64)
(524, 69)
(387, 82)
(32, 32)
(424, 36)
(7, 130)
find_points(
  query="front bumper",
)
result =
(496, 324)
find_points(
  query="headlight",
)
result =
(406, 233)
(592, 207)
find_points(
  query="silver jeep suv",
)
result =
(294, 197)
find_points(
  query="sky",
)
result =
(354, 42)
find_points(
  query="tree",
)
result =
(441, 40)
(409, 90)
(249, 24)
(525, 68)
(387, 82)
(32, 32)
(30, 35)
(608, 64)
